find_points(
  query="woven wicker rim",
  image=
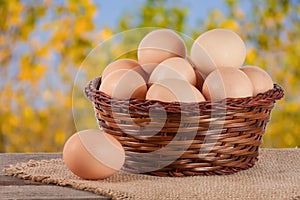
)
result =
(259, 100)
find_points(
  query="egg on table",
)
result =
(174, 90)
(260, 79)
(93, 154)
(124, 84)
(227, 82)
(174, 68)
(218, 48)
(158, 46)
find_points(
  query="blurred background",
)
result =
(44, 43)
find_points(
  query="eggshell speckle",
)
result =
(227, 82)
(260, 79)
(218, 48)
(158, 46)
(93, 154)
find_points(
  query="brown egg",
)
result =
(227, 82)
(173, 68)
(174, 90)
(124, 84)
(200, 78)
(158, 46)
(260, 79)
(124, 64)
(218, 48)
(93, 154)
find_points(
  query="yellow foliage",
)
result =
(15, 9)
(28, 114)
(73, 6)
(2, 40)
(251, 56)
(82, 26)
(61, 32)
(13, 120)
(60, 137)
(42, 52)
(3, 54)
(36, 102)
(105, 34)
(231, 24)
(7, 95)
(31, 73)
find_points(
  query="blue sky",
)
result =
(111, 11)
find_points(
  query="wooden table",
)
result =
(15, 188)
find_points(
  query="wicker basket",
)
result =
(227, 135)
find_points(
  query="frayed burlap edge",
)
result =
(18, 171)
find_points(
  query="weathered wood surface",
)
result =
(15, 188)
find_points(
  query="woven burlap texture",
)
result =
(275, 176)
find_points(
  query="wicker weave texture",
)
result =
(185, 139)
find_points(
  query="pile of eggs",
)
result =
(213, 71)
(164, 72)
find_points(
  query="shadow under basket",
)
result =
(185, 139)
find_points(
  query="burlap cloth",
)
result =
(275, 176)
